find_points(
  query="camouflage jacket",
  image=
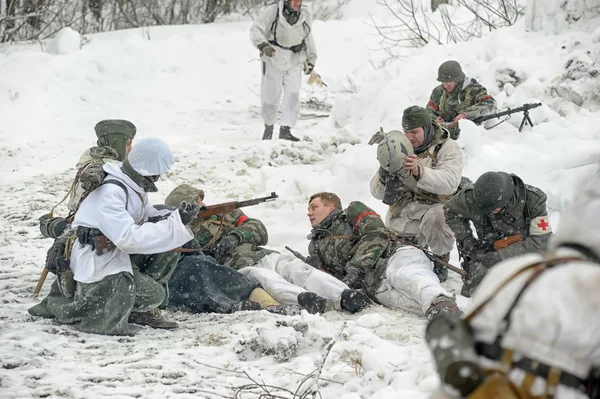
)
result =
(527, 216)
(357, 237)
(251, 232)
(89, 173)
(471, 99)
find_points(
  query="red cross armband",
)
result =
(540, 226)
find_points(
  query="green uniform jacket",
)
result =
(251, 232)
(471, 99)
(355, 236)
(527, 216)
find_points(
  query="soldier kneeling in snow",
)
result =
(420, 170)
(532, 329)
(510, 218)
(114, 221)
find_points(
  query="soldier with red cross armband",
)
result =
(509, 216)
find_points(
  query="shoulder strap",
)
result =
(468, 94)
(118, 183)
(527, 216)
(542, 265)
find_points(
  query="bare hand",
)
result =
(411, 164)
(459, 117)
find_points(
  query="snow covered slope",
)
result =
(197, 87)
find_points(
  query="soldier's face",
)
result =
(449, 86)
(295, 4)
(318, 211)
(128, 146)
(416, 136)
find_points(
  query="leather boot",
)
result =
(442, 304)
(152, 318)
(354, 301)
(285, 133)
(268, 134)
(314, 303)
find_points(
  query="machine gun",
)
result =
(524, 109)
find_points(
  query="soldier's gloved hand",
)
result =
(314, 261)
(489, 259)
(266, 49)
(188, 212)
(476, 273)
(469, 247)
(308, 68)
(353, 277)
(225, 246)
(384, 175)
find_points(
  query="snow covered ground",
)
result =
(197, 87)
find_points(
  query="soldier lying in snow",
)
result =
(355, 246)
(236, 241)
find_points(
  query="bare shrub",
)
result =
(415, 25)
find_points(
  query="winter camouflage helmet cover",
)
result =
(414, 117)
(114, 133)
(392, 151)
(493, 190)
(450, 71)
(151, 157)
(184, 192)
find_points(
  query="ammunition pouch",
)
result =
(420, 196)
(58, 261)
(94, 237)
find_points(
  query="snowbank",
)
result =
(66, 41)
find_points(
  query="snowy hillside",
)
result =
(197, 87)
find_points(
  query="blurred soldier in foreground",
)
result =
(532, 328)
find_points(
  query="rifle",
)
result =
(433, 257)
(227, 207)
(507, 241)
(525, 109)
(296, 254)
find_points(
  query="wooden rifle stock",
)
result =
(40, 282)
(507, 241)
(227, 207)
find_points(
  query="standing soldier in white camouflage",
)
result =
(458, 97)
(283, 35)
(416, 185)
